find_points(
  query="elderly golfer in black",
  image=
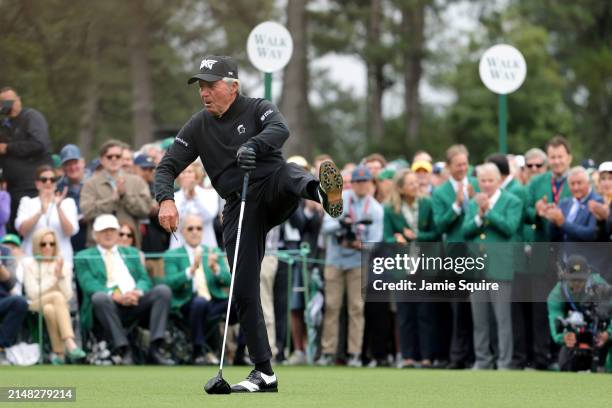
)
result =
(234, 135)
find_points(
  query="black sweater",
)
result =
(217, 139)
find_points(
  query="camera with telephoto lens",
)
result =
(590, 317)
(6, 107)
(351, 231)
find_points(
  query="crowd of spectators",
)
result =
(82, 246)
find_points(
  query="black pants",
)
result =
(199, 310)
(462, 345)
(13, 310)
(269, 203)
(416, 325)
(377, 330)
(152, 308)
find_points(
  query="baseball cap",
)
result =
(214, 68)
(105, 221)
(386, 174)
(576, 267)
(438, 167)
(421, 165)
(589, 164)
(70, 152)
(144, 162)
(11, 239)
(361, 173)
(605, 166)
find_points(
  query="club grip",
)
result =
(245, 186)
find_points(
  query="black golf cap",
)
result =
(214, 68)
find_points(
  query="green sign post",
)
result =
(502, 69)
(269, 48)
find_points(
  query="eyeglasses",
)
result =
(126, 234)
(47, 244)
(534, 165)
(190, 229)
(113, 156)
(47, 179)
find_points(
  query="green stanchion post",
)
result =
(503, 124)
(268, 86)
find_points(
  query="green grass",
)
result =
(143, 386)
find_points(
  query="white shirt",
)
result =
(29, 206)
(205, 203)
(466, 194)
(492, 201)
(121, 275)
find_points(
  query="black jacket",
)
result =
(217, 139)
(28, 147)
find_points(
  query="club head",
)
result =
(217, 385)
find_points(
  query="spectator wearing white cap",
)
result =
(117, 291)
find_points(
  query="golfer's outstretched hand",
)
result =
(168, 215)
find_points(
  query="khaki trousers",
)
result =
(56, 311)
(336, 282)
(266, 289)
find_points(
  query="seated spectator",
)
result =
(50, 209)
(570, 294)
(13, 306)
(127, 238)
(117, 291)
(48, 286)
(197, 275)
(194, 199)
(13, 243)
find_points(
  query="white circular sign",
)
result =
(269, 46)
(502, 69)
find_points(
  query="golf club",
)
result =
(217, 385)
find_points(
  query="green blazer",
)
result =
(447, 221)
(395, 222)
(499, 225)
(538, 187)
(176, 261)
(91, 273)
(524, 232)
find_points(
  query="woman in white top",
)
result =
(48, 287)
(50, 209)
(192, 199)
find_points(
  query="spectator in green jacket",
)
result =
(198, 276)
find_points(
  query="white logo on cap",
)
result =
(208, 63)
(241, 129)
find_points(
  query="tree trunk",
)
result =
(413, 29)
(294, 101)
(376, 125)
(140, 72)
(89, 111)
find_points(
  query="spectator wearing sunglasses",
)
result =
(48, 286)
(127, 237)
(535, 163)
(49, 209)
(113, 191)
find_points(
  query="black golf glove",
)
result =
(246, 157)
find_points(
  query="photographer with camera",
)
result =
(585, 334)
(24, 146)
(361, 221)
